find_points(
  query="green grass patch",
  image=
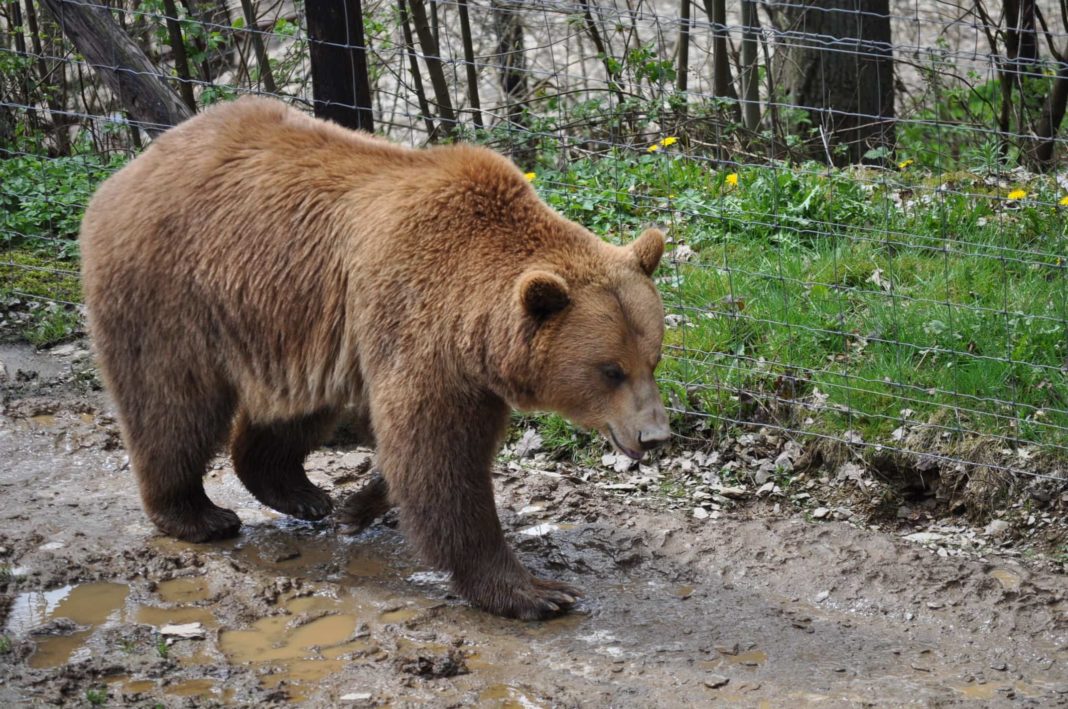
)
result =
(41, 204)
(38, 295)
(869, 295)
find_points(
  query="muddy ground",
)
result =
(737, 606)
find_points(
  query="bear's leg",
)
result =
(437, 456)
(269, 460)
(170, 442)
(367, 504)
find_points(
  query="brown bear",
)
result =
(256, 270)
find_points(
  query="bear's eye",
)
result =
(613, 373)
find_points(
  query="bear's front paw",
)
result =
(532, 599)
(198, 525)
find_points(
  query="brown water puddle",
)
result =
(92, 605)
(315, 638)
(184, 590)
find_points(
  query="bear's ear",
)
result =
(649, 247)
(542, 294)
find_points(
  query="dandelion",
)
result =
(530, 176)
(1017, 194)
(653, 148)
(732, 179)
(1064, 201)
(670, 140)
(904, 164)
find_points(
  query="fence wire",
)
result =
(866, 201)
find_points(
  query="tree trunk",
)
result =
(55, 92)
(836, 63)
(120, 64)
(417, 79)
(181, 61)
(469, 64)
(434, 66)
(750, 74)
(264, 61)
(1050, 122)
(340, 85)
(508, 27)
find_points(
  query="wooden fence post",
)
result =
(340, 85)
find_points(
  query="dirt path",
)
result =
(678, 612)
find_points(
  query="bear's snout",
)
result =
(654, 437)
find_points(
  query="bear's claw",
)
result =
(307, 503)
(539, 600)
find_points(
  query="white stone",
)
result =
(183, 630)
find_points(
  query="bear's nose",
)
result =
(654, 438)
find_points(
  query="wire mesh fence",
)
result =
(866, 201)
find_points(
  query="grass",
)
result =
(41, 203)
(5, 644)
(162, 648)
(872, 297)
(875, 296)
(96, 697)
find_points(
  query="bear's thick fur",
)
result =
(255, 271)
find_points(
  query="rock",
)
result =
(673, 320)
(700, 513)
(999, 665)
(822, 596)
(356, 697)
(925, 537)
(716, 681)
(996, 528)
(767, 489)
(189, 631)
(528, 444)
(731, 649)
(820, 512)
(539, 530)
(734, 493)
(784, 462)
(682, 253)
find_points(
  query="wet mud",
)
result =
(95, 606)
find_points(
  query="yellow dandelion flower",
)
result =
(670, 140)
(653, 148)
(732, 179)
(530, 176)
(1064, 201)
(1017, 194)
(904, 164)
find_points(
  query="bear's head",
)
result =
(595, 343)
